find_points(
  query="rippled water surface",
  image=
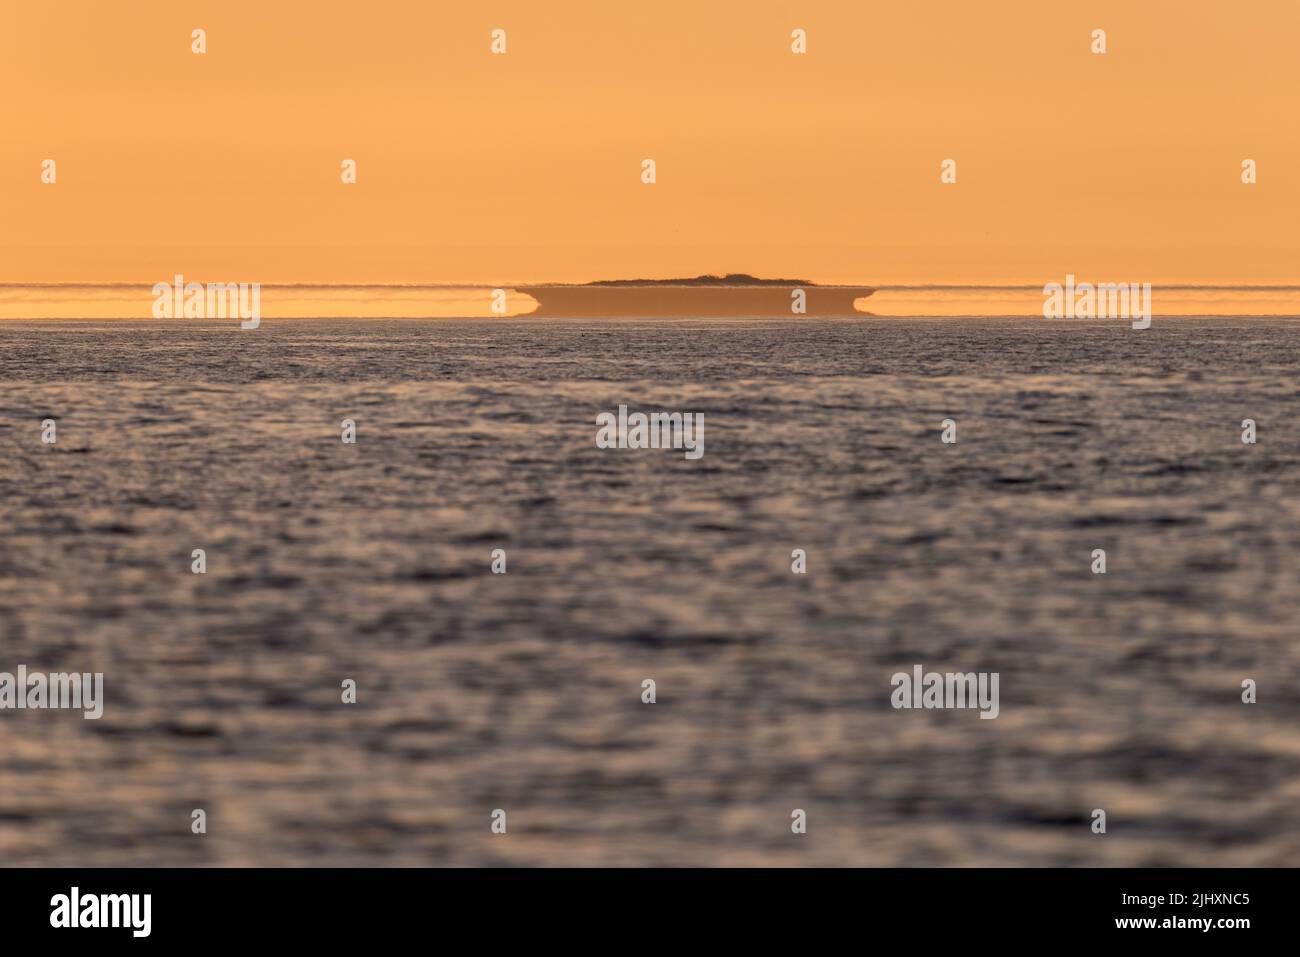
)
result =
(522, 691)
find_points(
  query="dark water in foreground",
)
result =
(328, 561)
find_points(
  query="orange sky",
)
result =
(526, 167)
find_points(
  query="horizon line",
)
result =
(604, 283)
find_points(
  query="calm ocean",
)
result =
(522, 691)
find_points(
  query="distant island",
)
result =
(733, 295)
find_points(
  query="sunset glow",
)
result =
(474, 168)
